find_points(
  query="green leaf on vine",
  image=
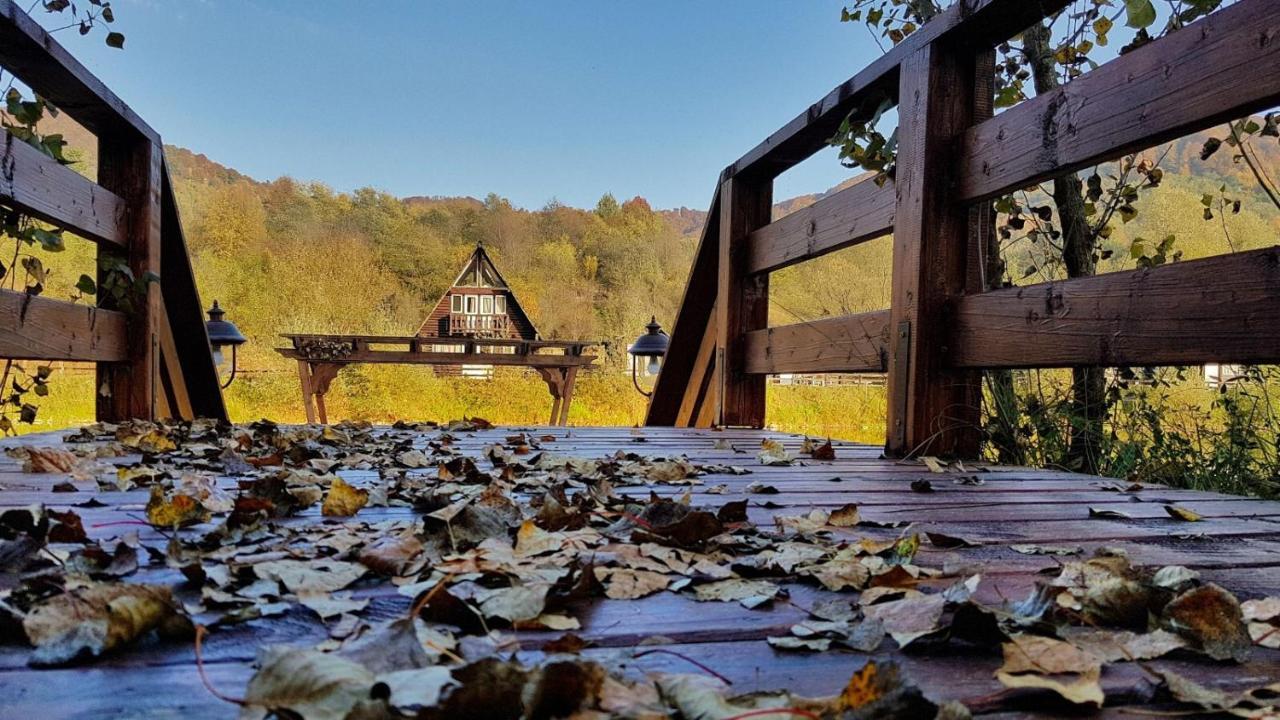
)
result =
(1139, 13)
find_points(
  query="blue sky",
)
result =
(532, 99)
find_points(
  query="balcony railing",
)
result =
(479, 325)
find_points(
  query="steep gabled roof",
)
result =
(479, 272)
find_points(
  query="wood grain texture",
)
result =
(848, 343)
(853, 215)
(185, 312)
(1218, 309)
(694, 320)
(1214, 70)
(742, 301)
(131, 168)
(37, 184)
(1237, 546)
(37, 328)
(973, 23)
(31, 53)
(933, 409)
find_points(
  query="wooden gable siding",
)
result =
(437, 323)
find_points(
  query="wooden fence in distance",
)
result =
(152, 361)
(954, 156)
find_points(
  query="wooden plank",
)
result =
(974, 24)
(430, 358)
(933, 409)
(1204, 74)
(30, 52)
(37, 328)
(699, 379)
(853, 215)
(694, 320)
(185, 312)
(1218, 309)
(41, 186)
(131, 168)
(177, 401)
(847, 343)
(573, 346)
(742, 301)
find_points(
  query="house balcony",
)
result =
(485, 326)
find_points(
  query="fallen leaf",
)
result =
(1033, 661)
(310, 576)
(772, 453)
(1211, 618)
(173, 511)
(844, 516)
(750, 593)
(625, 584)
(343, 500)
(1108, 514)
(1047, 549)
(306, 683)
(99, 618)
(1181, 513)
(909, 619)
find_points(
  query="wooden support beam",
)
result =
(304, 379)
(699, 382)
(322, 375)
(173, 390)
(570, 378)
(131, 167)
(742, 301)
(405, 357)
(1209, 72)
(37, 184)
(978, 24)
(185, 312)
(933, 409)
(853, 215)
(847, 343)
(694, 321)
(1220, 309)
(30, 52)
(37, 328)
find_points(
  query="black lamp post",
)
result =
(653, 345)
(223, 333)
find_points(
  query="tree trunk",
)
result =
(1088, 407)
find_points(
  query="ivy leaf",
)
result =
(86, 285)
(1210, 147)
(1139, 13)
(116, 40)
(50, 241)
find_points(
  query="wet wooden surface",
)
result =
(1237, 545)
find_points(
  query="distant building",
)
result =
(479, 305)
(1220, 376)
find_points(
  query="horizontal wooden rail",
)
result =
(1215, 70)
(1218, 309)
(433, 358)
(29, 52)
(847, 343)
(977, 23)
(853, 215)
(37, 184)
(37, 328)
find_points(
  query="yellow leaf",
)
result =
(174, 512)
(343, 500)
(1181, 513)
(862, 688)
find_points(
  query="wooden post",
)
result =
(742, 301)
(570, 377)
(304, 378)
(130, 165)
(322, 375)
(932, 410)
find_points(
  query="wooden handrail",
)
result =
(953, 156)
(41, 186)
(38, 328)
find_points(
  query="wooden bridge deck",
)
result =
(1237, 545)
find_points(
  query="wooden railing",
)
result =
(153, 361)
(953, 158)
(498, 326)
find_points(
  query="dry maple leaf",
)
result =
(45, 459)
(343, 500)
(1032, 661)
(174, 510)
(1211, 618)
(99, 618)
(310, 684)
(395, 555)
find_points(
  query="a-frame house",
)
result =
(480, 304)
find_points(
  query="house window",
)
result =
(500, 304)
(471, 304)
(455, 303)
(486, 304)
